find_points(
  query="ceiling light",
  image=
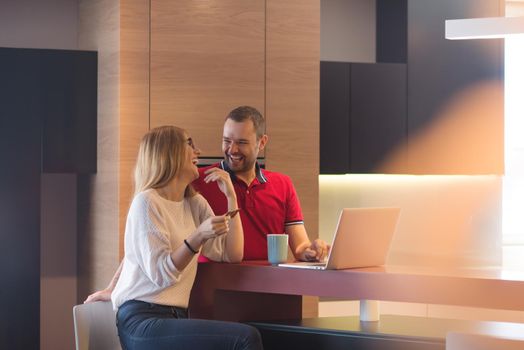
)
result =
(484, 28)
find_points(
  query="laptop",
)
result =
(362, 239)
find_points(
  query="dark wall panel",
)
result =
(378, 114)
(439, 68)
(44, 125)
(20, 165)
(453, 120)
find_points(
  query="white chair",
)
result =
(468, 341)
(95, 326)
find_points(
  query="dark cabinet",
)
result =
(363, 115)
(391, 31)
(68, 89)
(334, 117)
(440, 112)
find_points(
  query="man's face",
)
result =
(240, 145)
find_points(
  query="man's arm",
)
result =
(105, 294)
(301, 246)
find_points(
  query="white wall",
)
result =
(513, 224)
(514, 8)
(347, 30)
(445, 220)
(45, 24)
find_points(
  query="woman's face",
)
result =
(189, 167)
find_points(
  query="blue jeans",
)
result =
(144, 325)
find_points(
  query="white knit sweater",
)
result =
(155, 227)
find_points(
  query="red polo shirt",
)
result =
(267, 205)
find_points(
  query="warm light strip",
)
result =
(340, 179)
(484, 28)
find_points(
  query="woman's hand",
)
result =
(223, 180)
(101, 295)
(213, 227)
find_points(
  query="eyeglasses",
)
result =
(191, 143)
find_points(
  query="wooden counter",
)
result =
(254, 290)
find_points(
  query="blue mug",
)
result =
(277, 248)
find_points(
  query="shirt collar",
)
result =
(258, 171)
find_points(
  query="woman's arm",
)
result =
(234, 241)
(211, 228)
(105, 294)
(235, 237)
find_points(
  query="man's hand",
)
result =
(223, 180)
(101, 295)
(317, 251)
(303, 249)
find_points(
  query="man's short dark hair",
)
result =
(243, 113)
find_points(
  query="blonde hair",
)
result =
(160, 158)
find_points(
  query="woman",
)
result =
(167, 225)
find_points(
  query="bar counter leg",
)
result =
(369, 310)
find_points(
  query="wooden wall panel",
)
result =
(292, 105)
(98, 194)
(189, 65)
(292, 100)
(134, 97)
(119, 31)
(206, 59)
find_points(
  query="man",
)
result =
(267, 200)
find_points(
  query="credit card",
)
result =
(232, 213)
